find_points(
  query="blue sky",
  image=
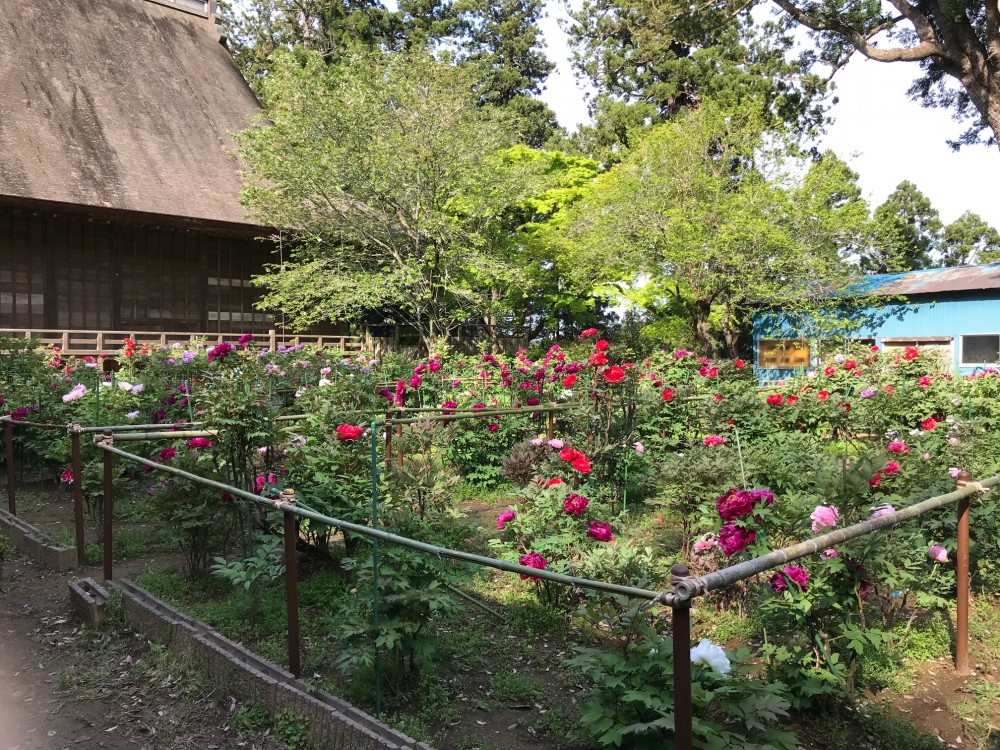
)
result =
(884, 136)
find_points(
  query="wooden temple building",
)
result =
(119, 193)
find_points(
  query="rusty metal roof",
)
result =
(120, 104)
(933, 281)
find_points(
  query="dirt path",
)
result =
(36, 636)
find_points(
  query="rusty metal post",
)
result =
(108, 505)
(8, 444)
(74, 438)
(399, 450)
(552, 424)
(681, 624)
(292, 583)
(962, 582)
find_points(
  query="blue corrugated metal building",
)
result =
(954, 311)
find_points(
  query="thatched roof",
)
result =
(122, 104)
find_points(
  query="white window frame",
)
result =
(961, 351)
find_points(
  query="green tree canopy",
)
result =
(393, 185)
(969, 240)
(906, 232)
(649, 59)
(705, 215)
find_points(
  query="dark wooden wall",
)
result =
(59, 270)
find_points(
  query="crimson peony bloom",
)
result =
(200, 442)
(348, 432)
(829, 370)
(823, 395)
(667, 395)
(910, 353)
(568, 381)
(588, 332)
(601, 345)
(532, 560)
(775, 399)
(581, 464)
(575, 504)
(928, 424)
(739, 364)
(597, 360)
(614, 374)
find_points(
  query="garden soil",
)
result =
(62, 688)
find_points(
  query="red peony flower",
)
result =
(791, 400)
(568, 381)
(829, 370)
(614, 374)
(569, 454)
(739, 364)
(910, 353)
(667, 395)
(928, 424)
(587, 333)
(597, 360)
(775, 399)
(823, 395)
(581, 464)
(348, 432)
(601, 345)
(850, 364)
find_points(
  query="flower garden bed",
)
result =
(646, 463)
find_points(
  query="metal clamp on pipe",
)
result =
(287, 497)
(74, 428)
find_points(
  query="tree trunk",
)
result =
(700, 311)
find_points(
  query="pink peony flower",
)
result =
(891, 468)
(557, 444)
(938, 554)
(199, 442)
(829, 554)
(901, 449)
(704, 544)
(66, 477)
(713, 440)
(793, 573)
(882, 510)
(823, 516)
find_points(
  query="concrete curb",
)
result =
(37, 545)
(333, 724)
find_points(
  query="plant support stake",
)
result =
(77, 454)
(8, 446)
(286, 500)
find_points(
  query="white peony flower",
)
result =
(124, 385)
(712, 656)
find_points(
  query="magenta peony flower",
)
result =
(713, 440)
(532, 560)
(503, 518)
(600, 531)
(779, 581)
(882, 510)
(938, 554)
(200, 442)
(734, 539)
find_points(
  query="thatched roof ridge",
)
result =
(121, 104)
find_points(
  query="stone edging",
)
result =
(333, 723)
(36, 544)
